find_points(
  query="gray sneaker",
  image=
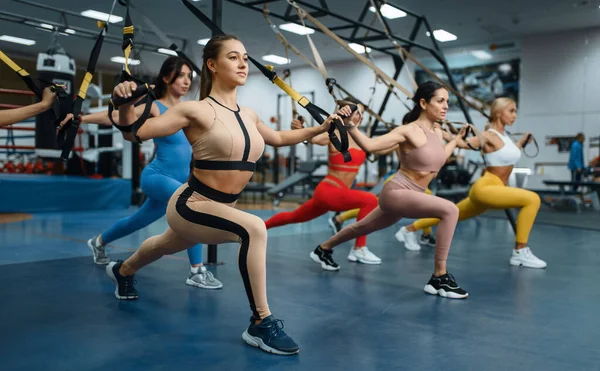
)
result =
(204, 279)
(99, 251)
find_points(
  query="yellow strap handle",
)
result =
(127, 52)
(15, 67)
(87, 80)
(302, 100)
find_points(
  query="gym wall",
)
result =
(559, 90)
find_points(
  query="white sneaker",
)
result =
(525, 258)
(203, 279)
(409, 239)
(363, 255)
(98, 251)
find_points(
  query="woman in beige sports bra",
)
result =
(226, 142)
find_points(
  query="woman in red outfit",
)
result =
(334, 192)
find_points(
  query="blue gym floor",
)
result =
(59, 313)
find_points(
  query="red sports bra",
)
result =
(336, 161)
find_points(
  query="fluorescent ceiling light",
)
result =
(297, 29)
(46, 25)
(275, 59)
(359, 48)
(17, 40)
(443, 35)
(70, 31)
(481, 54)
(133, 62)
(203, 41)
(524, 170)
(389, 11)
(167, 51)
(101, 16)
(505, 68)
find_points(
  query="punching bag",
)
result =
(53, 66)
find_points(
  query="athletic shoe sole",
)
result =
(316, 259)
(353, 258)
(111, 275)
(258, 343)
(518, 263)
(443, 293)
(190, 282)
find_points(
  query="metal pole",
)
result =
(275, 149)
(511, 219)
(217, 15)
(309, 147)
(398, 63)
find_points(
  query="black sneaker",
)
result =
(125, 289)
(270, 337)
(427, 240)
(337, 227)
(324, 258)
(446, 287)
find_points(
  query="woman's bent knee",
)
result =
(256, 228)
(371, 201)
(534, 200)
(449, 211)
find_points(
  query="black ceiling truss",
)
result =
(375, 34)
(320, 10)
(81, 32)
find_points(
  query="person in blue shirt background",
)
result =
(576, 159)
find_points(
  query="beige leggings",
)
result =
(199, 214)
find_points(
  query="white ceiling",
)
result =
(477, 23)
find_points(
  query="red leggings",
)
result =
(329, 197)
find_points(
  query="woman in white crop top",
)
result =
(491, 190)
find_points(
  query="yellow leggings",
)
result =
(489, 192)
(352, 214)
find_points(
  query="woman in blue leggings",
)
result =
(162, 176)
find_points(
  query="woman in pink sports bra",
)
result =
(491, 191)
(226, 143)
(422, 154)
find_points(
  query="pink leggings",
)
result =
(401, 197)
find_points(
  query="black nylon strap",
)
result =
(224, 165)
(67, 136)
(211, 193)
(142, 89)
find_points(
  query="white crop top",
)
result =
(508, 155)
